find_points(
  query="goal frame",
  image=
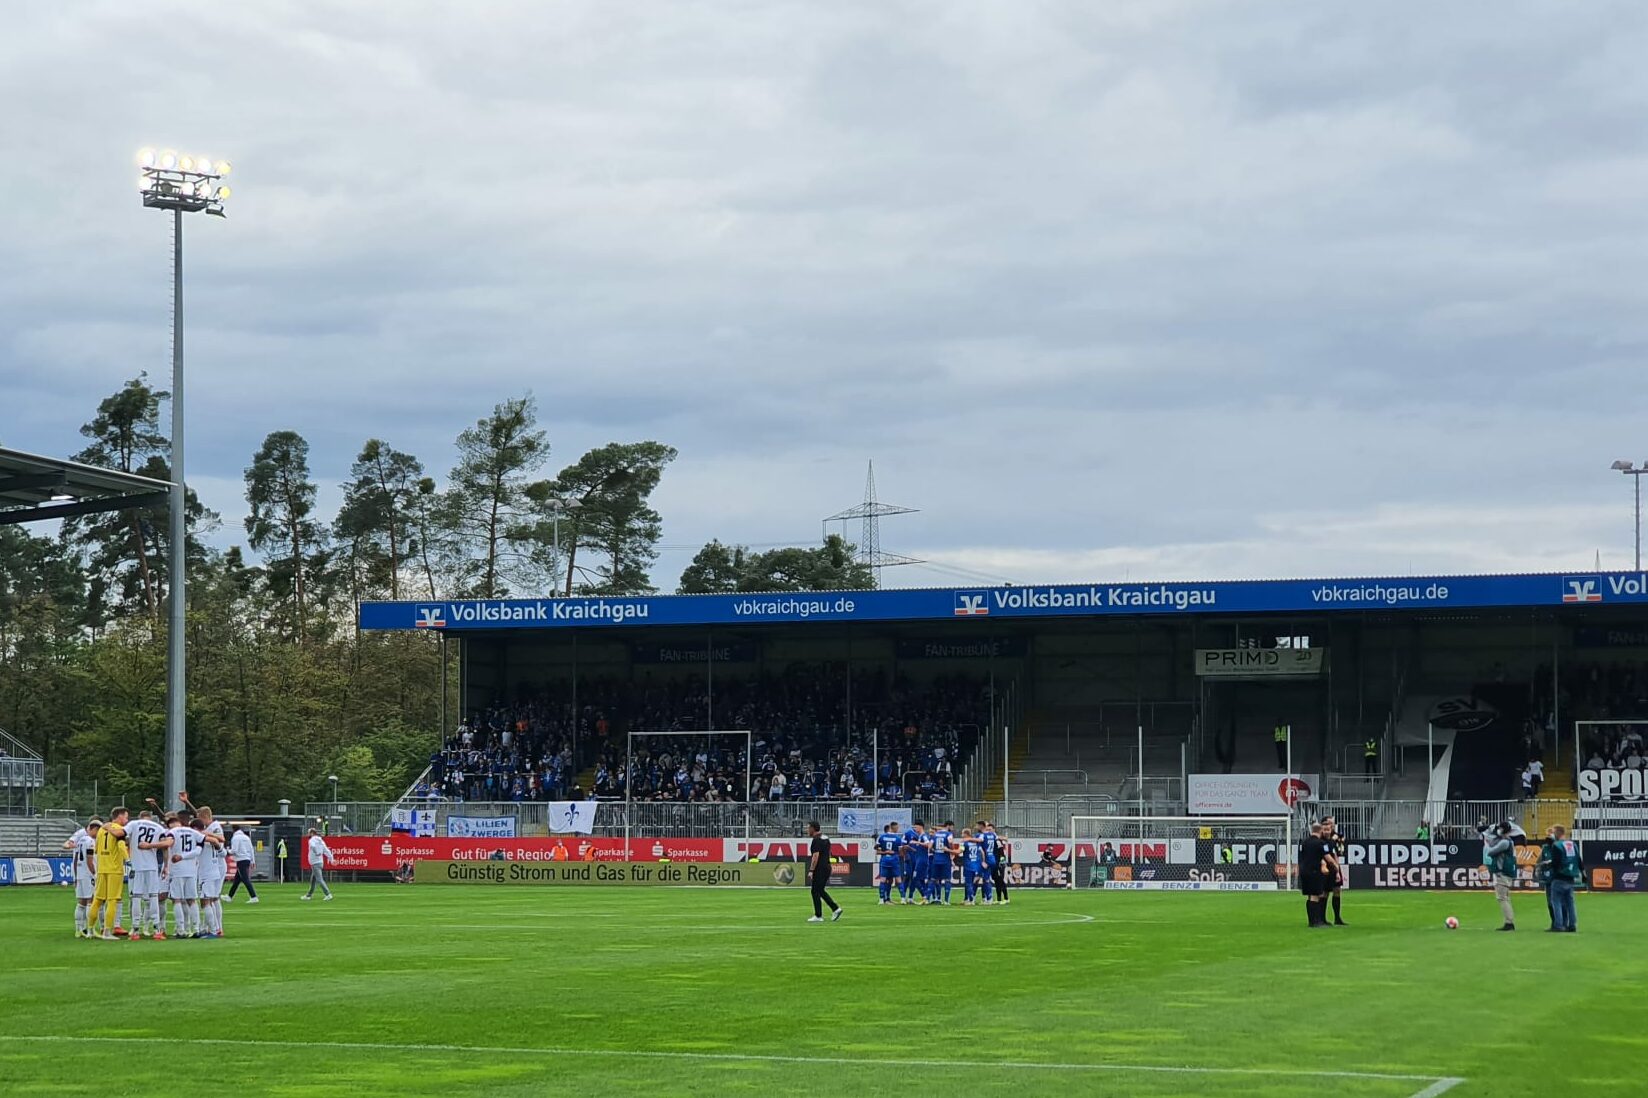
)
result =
(629, 770)
(1139, 823)
(1579, 762)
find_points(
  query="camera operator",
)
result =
(1499, 855)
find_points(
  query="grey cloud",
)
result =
(1111, 283)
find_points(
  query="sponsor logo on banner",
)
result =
(1248, 794)
(1581, 590)
(1611, 784)
(380, 853)
(1260, 663)
(793, 850)
(1192, 886)
(478, 827)
(861, 821)
(36, 871)
(571, 817)
(1037, 875)
(972, 604)
(430, 617)
(1462, 714)
(694, 874)
(1105, 851)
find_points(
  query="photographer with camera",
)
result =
(1499, 855)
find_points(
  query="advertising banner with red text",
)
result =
(385, 853)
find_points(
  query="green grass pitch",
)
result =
(453, 990)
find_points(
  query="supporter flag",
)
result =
(572, 816)
(401, 821)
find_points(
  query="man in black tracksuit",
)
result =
(818, 873)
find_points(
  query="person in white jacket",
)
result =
(320, 856)
(245, 855)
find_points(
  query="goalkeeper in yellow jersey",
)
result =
(111, 869)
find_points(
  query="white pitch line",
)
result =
(1441, 1086)
(1073, 919)
(740, 1057)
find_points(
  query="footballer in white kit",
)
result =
(147, 841)
(83, 845)
(214, 868)
(183, 879)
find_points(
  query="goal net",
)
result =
(1181, 853)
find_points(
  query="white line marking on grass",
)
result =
(1071, 919)
(741, 1057)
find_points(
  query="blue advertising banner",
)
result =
(1034, 601)
(36, 871)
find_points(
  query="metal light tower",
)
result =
(181, 184)
(1635, 473)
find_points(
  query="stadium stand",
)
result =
(806, 744)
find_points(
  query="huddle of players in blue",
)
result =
(921, 864)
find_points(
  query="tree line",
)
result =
(283, 689)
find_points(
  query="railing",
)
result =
(1025, 780)
(1026, 818)
(22, 773)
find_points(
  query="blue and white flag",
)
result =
(479, 827)
(862, 821)
(572, 817)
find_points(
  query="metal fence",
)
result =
(1028, 817)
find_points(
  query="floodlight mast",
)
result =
(182, 184)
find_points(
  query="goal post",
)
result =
(703, 734)
(1181, 853)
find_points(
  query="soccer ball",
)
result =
(1451, 923)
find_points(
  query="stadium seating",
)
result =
(546, 747)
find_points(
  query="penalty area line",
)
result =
(1438, 1085)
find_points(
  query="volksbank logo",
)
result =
(1582, 589)
(547, 611)
(430, 617)
(1132, 597)
(972, 604)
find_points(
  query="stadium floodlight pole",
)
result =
(1635, 473)
(180, 184)
(558, 506)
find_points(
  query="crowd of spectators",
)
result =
(807, 741)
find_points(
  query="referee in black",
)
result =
(1312, 880)
(1336, 879)
(818, 872)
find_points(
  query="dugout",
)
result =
(1078, 678)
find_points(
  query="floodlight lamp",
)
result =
(142, 182)
(186, 163)
(222, 167)
(145, 158)
(223, 192)
(1622, 466)
(168, 160)
(203, 164)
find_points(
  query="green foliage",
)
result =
(486, 507)
(830, 567)
(609, 489)
(282, 525)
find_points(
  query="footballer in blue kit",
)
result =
(941, 866)
(975, 874)
(888, 871)
(919, 847)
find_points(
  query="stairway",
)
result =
(1017, 752)
(1554, 805)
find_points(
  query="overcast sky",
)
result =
(1108, 291)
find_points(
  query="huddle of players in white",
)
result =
(184, 861)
